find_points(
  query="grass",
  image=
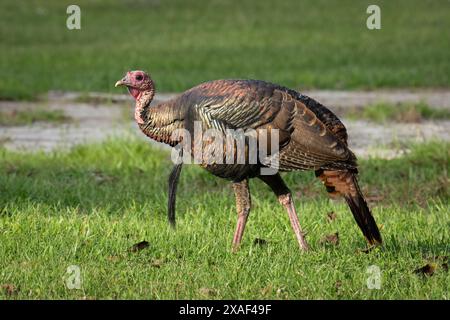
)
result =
(406, 112)
(88, 206)
(301, 44)
(27, 117)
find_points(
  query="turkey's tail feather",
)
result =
(364, 218)
(345, 183)
(173, 183)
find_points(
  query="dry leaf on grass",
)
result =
(435, 263)
(267, 290)
(139, 246)
(157, 263)
(10, 289)
(209, 292)
(331, 216)
(260, 242)
(282, 293)
(427, 270)
(331, 239)
(338, 285)
(113, 258)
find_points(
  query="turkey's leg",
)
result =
(243, 204)
(288, 203)
(284, 196)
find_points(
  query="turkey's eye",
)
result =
(139, 77)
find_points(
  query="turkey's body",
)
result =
(310, 137)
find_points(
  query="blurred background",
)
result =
(300, 44)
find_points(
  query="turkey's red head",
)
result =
(136, 82)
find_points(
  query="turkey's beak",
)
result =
(122, 82)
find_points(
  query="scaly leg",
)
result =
(288, 203)
(243, 204)
(283, 193)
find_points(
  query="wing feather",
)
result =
(311, 137)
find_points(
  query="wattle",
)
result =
(134, 92)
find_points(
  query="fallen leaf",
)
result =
(338, 285)
(260, 242)
(281, 292)
(10, 289)
(267, 290)
(157, 263)
(427, 270)
(332, 239)
(436, 262)
(139, 246)
(331, 216)
(207, 292)
(113, 258)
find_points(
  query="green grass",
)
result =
(87, 207)
(27, 117)
(386, 112)
(314, 43)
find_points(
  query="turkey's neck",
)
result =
(157, 122)
(141, 110)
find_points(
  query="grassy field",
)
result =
(315, 43)
(89, 206)
(28, 117)
(405, 112)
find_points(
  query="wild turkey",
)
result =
(311, 137)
